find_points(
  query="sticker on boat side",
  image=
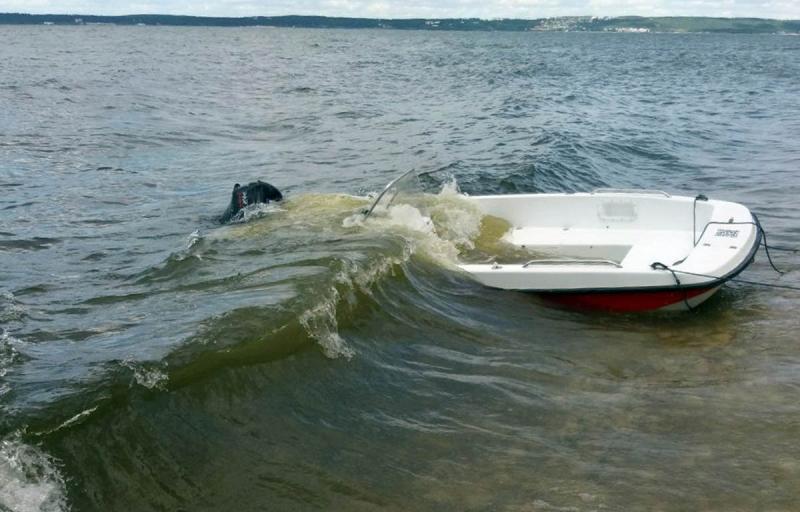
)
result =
(729, 233)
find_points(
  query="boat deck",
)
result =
(632, 248)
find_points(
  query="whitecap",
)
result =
(74, 420)
(437, 226)
(29, 479)
(193, 238)
(10, 309)
(320, 323)
(150, 377)
(8, 354)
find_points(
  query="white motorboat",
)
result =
(619, 250)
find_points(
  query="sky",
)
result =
(781, 9)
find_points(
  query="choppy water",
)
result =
(152, 360)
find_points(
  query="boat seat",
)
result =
(632, 247)
(667, 250)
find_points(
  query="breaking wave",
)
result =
(29, 479)
(320, 323)
(10, 309)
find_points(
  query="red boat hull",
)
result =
(632, 301)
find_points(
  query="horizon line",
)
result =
(398, 19)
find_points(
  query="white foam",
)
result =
(361, 277)
(255, 211)
(406, 216)
(434, 225)
(151, 378)
(458, 222)
(320, 323)
(451, 188)
(193, 238)
(148, 377)
(8, 354)
(10, 309)
(29, 480)
(75, 420)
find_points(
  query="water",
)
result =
(153, 360)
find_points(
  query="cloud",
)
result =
(785, 9)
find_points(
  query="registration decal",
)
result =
(728, 233)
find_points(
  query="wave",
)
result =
(327, 293)
(289, 279)
(361, 258)
(436, 228)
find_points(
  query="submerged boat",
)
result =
(621, 250)
(616, 249)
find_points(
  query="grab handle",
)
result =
(629, 191)
(572, 262)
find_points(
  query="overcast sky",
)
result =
(783, 9)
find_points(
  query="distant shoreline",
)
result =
(557, 24)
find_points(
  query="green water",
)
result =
(151, 359)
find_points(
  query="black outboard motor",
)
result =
(252, 193)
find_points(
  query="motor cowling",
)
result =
(245, 195)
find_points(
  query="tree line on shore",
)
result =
(562, 24)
